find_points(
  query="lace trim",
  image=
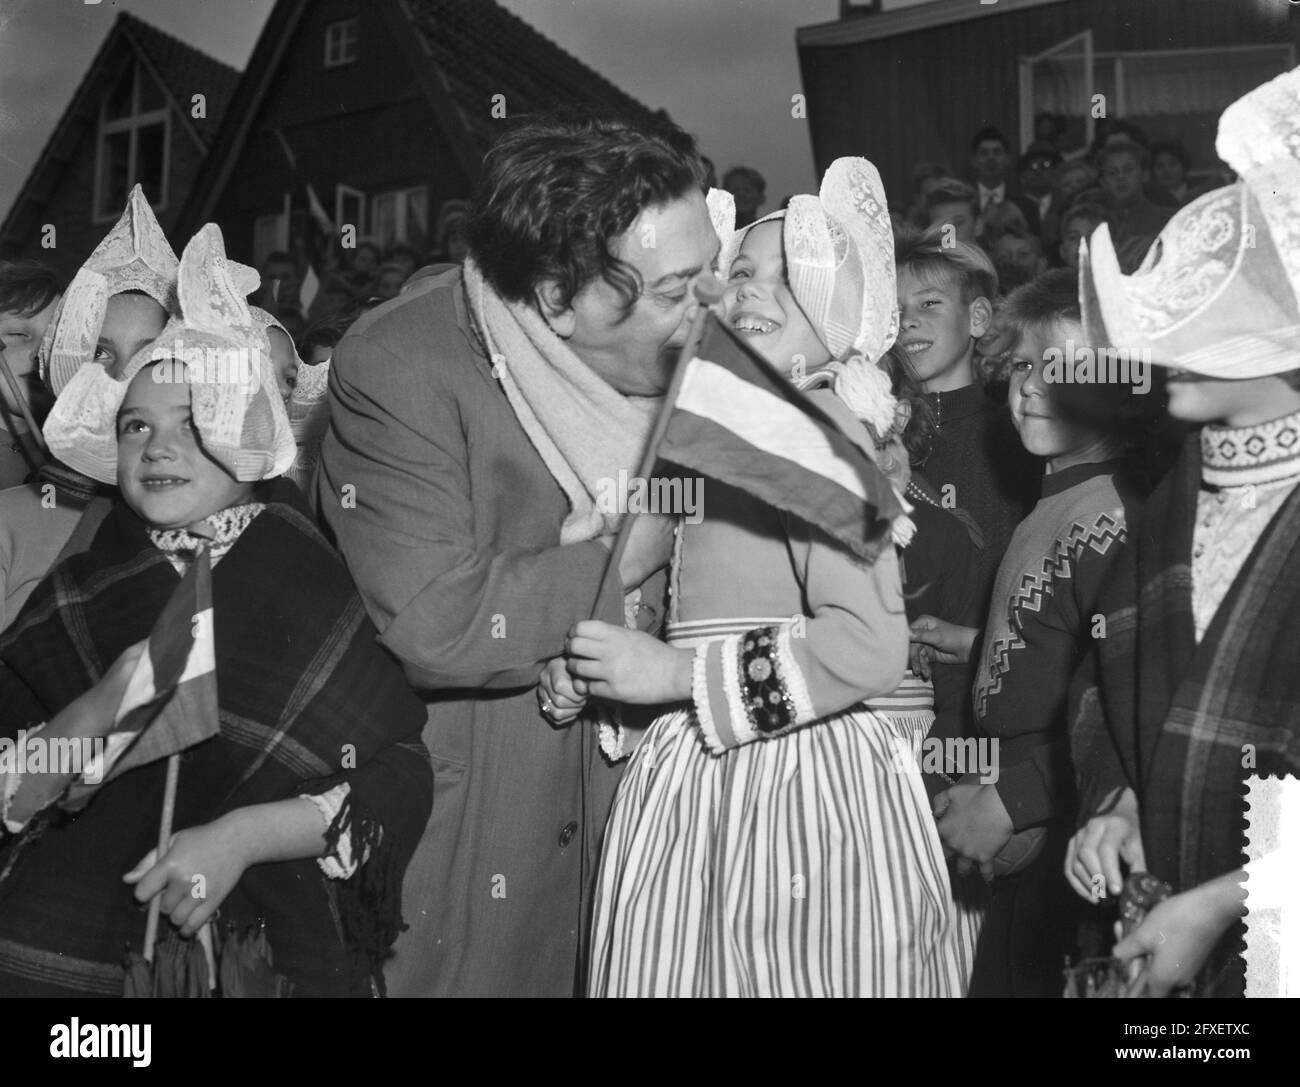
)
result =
(227, 526)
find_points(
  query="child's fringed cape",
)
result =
(307, 700)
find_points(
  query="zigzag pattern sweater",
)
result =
(1039, 628)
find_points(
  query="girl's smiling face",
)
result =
(165, 475)
(762, 308)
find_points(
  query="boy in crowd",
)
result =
(945, 297)
(749, 189)
(29, 294)
(1134, 220)
(1018, 257)
(1078, 223)
(1205, 607)
(1037, 631)
(1038, 168)
(953, 203)
(990, 157)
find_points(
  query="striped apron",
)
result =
(807, 865)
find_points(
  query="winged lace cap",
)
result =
(1219, 291)
(134, 256)
(219, 348)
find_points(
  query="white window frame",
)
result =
(341, 37)
(400, 198)
(132, 123)
(345, 192)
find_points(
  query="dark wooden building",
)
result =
(383, 107)
(132, 118)
(907, 81)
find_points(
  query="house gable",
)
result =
(86, 162)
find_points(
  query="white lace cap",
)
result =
(134, 255)
(219, 348)
(1219, 292)
(839, 251)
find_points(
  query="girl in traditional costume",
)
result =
(117, 303)
(301, 811)
(787, 850)
(1195, 686)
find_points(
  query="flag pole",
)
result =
(708, 291)
(35, 436)
(164, 840)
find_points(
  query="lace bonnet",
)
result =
(1219, 292)
(226, 360)
(134, 256)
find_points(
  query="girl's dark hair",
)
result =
(558, 189)
(27, 287)
(326, 331)
(918, 435)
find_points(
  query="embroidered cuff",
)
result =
(340, 864)
(715, 690)
(748, 687)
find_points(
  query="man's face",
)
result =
(959, 215)
(1074, 231)
(20, 337)
(1123, 177)
(990, 162)
(667, 246)
(748, 196)
(1074, 179)
(1168, 170)
(1039, 177)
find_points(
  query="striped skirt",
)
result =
(808, 865)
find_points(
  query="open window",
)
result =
(1060, 81)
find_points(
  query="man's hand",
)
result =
(1099, 847)
(948, 642)
(649, 547)
(561, 697)
(200, 868)
(973, 823)
(624, 665)
(1180, 932)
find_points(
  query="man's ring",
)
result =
(546, 704)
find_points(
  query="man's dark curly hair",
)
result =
(559, 188)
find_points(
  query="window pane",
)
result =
(150, 159)
(417, 219)
(383, 218)
(340, 43)
(114, 172)
(118, 103)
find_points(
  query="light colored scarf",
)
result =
(584, 430)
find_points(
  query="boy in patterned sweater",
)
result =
(1015, 829)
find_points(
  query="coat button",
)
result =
(567, 832)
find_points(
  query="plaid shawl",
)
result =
(1174, 718)
(306, 698)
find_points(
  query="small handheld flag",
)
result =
(170, 702)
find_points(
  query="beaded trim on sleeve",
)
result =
(768, 704)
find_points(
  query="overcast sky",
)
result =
(724, 69)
